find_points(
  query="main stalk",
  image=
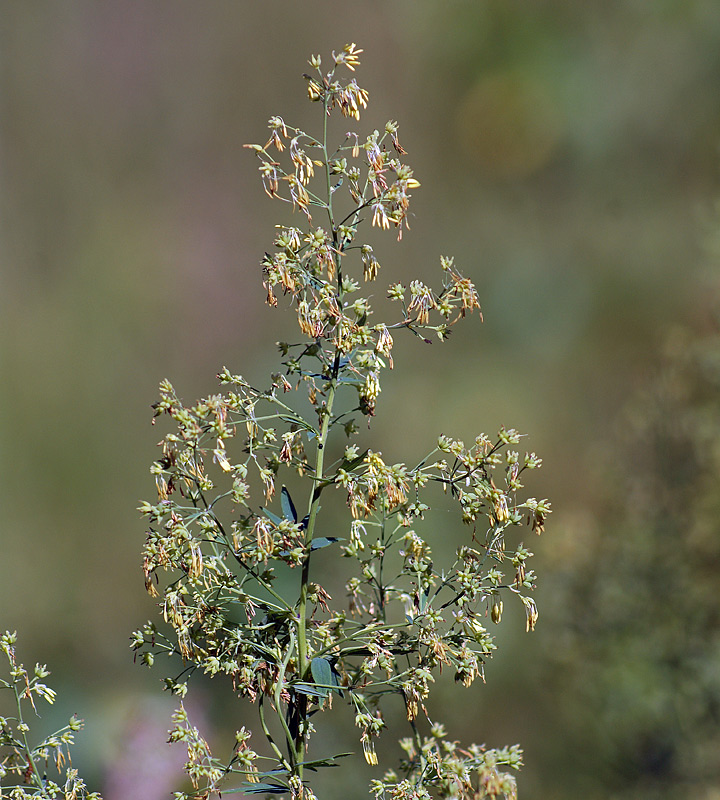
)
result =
(314, 501)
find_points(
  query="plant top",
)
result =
(230, 550)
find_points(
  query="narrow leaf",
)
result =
(323, 541)
(272, 517)
(263, 788)
(301, 423)
(288, 507)
(310, 689)
(423, 602)
(325, 762)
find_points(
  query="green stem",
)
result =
(37, 780)
(381, 587)
(268, 736)
(304, 665)
(277, 696)
(318, 479)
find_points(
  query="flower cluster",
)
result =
(436, 767)
(224, 525)
(24, 767)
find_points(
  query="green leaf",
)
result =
(324, 541)
(325, 762)
(288, 507)
(309, 689)
(321, 671)
(423, 602)
(324, 676)
(272, 517)
(301, 423)
(263, 788)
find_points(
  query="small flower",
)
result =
(315, 89)
(392, 128)
(422, 301)
(369, 750)
(531, 613)
(304, 166)
(384, 343)
(270, 177)
(277, 126)
(396, 291)
(370, 263)
(380, 215)
(351, 98)
(299, 195)
(348, 56)
(220, 457)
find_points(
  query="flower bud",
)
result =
(496, 610)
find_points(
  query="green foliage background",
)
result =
(568, 159)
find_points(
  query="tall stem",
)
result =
(314, 501)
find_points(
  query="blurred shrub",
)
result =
(639, 609)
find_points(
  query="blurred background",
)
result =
(568, 155)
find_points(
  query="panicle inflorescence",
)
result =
(224, 526)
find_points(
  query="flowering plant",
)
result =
(230, 549)
(24, 766)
